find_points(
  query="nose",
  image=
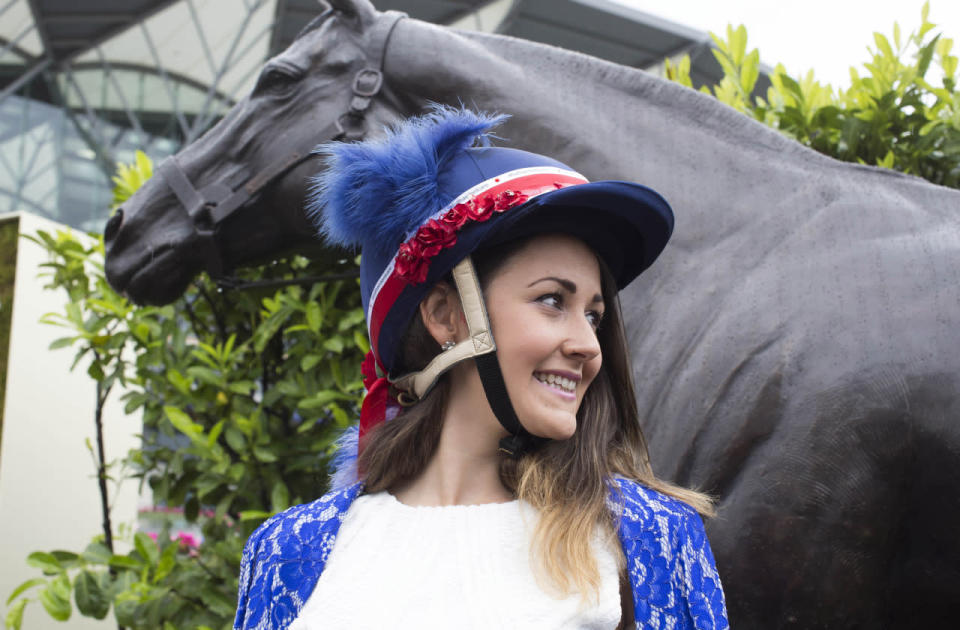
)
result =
(113, 226)
(582, 341)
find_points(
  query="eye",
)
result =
(596, 318)
(277, 79)
(554, 300)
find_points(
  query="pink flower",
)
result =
(187, 540)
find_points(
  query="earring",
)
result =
(450, 343)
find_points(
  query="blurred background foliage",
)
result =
(242, 393)
(243, 390)
(894, 114)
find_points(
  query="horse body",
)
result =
(796, 348)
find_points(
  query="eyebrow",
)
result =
(568, 285)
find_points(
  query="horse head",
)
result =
(235, 196)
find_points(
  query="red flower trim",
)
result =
(369, 370)
(411, 264)
(435, 236)
(413, 259)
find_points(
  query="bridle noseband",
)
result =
(209, 206)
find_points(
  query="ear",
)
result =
(362, 10)
(442, 314)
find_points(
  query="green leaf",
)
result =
(14, 618)
(750, 71)
(184, 424)
(314, 316)
(883, 45)
(97, 552)
(125, 610)
(168, 560)
(235, 439)
(339, 415)
(206, 375)
(56, 598)
(279, 497)
(321, 399)
(308, 362)
(146, 547)
(334, 344)
(925, 56)
(23, 587)
(65, 559)
(95, 371)
(89, 596)
(181, 383)
(223, 505)
(253, 515)
(360, 338)
(125, 562)
(135, 400)
(214, 433)
(62, 342)
(44, 561)
(351, 319)
(264, 454)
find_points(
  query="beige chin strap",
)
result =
(478, 342)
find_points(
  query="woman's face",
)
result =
(545, 305)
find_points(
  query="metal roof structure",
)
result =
(84, 84)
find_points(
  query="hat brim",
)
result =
(626, 224)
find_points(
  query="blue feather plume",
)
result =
(380, 190)
(343, 466)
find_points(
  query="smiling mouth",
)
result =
(559, 383)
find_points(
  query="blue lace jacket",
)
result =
(672, 572)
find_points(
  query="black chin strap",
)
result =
(520, 440)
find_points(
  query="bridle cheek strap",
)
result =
(480, 346)
(212, 204)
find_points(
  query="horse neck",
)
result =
(605, 120)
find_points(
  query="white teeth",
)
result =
(566, 384)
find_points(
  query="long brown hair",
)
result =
(565, 480)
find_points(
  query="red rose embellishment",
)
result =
(411, 265)
(482, 208)
(508, 199)
(435, 236)
(456, 216)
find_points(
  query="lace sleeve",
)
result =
(701, 582)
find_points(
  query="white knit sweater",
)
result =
(462, 566)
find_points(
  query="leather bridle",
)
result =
(209, 206)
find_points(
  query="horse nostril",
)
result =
(113, 225)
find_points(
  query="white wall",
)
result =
(48, 491)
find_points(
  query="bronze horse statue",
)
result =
(796, 349)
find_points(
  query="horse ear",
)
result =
(363, 10)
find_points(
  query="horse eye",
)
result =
(275, 80)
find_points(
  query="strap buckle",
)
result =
(367, 82)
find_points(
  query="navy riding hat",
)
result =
(421, 200)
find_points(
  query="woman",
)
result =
(498, 477)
